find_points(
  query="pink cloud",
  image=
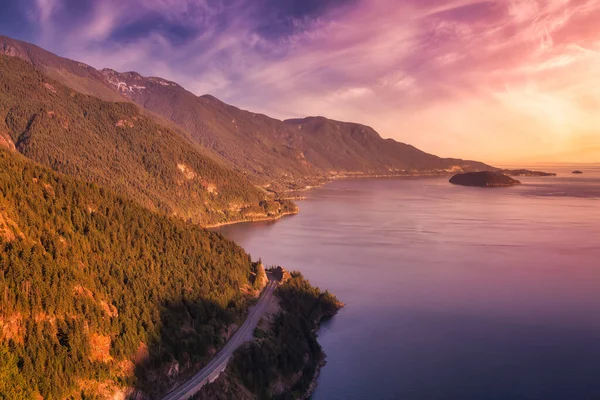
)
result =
(493, 80)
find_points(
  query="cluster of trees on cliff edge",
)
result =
(288, 353)
(117, 146)
(97, 289)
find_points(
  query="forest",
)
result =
(97, 290)
(288, 352)
(118, 146)
(108, 282)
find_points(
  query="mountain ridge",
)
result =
(251, 142)
(115, 145)
(282, 133)
(288, 153)
(269, 151)
(77, 75)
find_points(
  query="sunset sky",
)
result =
(500, 81)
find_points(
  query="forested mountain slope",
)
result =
(286, 154)
(98, 293)
(252, 142)
(78, 76)
(349, 148)
(115, 145)
(284, 359)
(282, 151)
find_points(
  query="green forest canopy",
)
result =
(115, 145)
(78, 261)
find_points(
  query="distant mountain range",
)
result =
(280, 151)
(282, 154)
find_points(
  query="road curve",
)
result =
(218, 364)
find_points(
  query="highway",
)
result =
(218, 364)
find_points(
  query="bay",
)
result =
(450, 292)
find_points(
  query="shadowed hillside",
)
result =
(344, 147)
(93, 284)
(115, 145)
(284, 359)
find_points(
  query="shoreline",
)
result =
(265, 219)
(314, 383)
(317, 186)
(333, 178)
(281, 383)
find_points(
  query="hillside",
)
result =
(78, 76)
(284, 155)
(286, 152)
(284, 359)
(115, 145)
(99, 293)
(251, 142)
(349, 148)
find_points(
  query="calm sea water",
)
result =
(451, 292)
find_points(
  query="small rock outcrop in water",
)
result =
(577, 172)
(483, 179)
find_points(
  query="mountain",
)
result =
(281, 151)
(78, 76)
(251, 142)
(349, 148)
(99, 294)
(117, 146)
(281, 154)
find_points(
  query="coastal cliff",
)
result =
(284, 359)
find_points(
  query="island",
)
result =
(483, 179)
(577, 172)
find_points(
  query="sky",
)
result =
(502, 81)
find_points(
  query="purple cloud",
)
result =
(455, 77)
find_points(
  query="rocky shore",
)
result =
(254, 219)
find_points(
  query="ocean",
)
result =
(451, 292)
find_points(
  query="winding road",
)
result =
(218, 364)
